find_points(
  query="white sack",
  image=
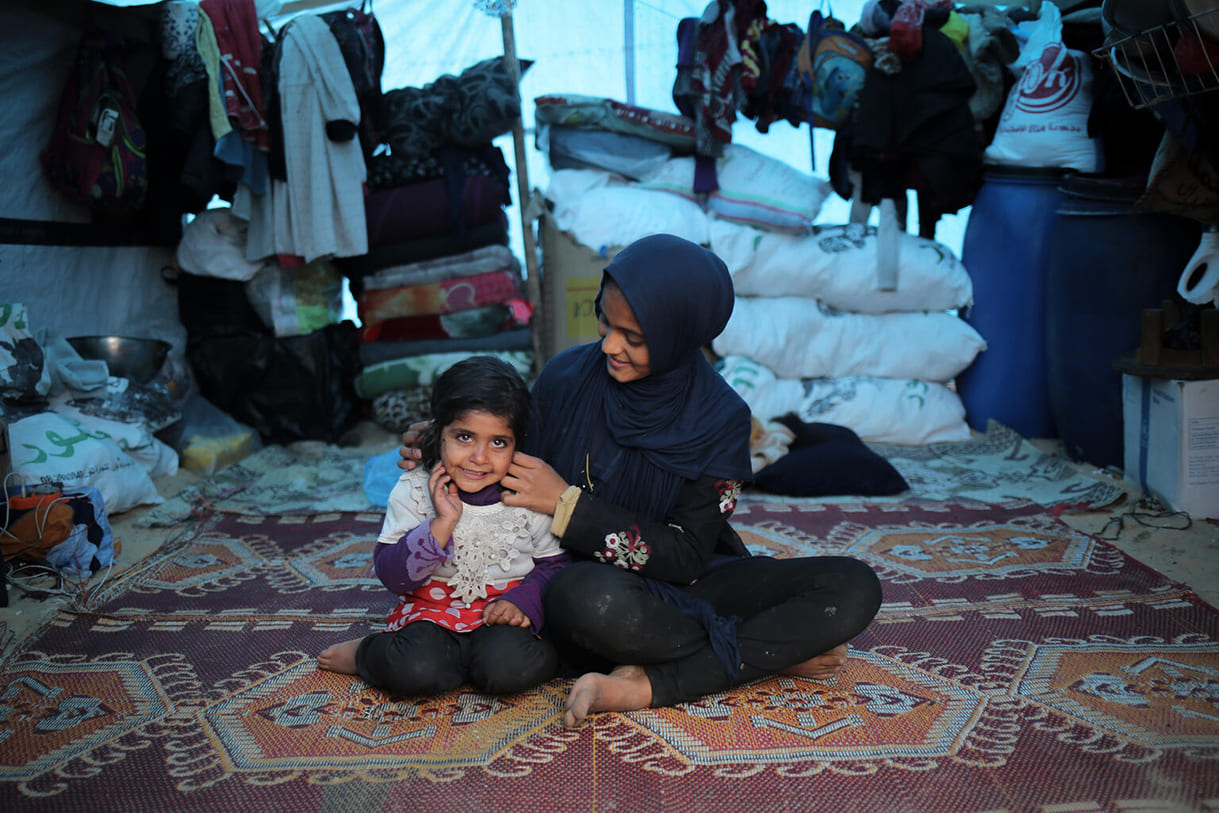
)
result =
(838, 265)
(803, 338)
(51, 448)
(601, 210)
(879, 410)
(134, 438)
(754, 189)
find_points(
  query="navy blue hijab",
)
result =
(635, 443)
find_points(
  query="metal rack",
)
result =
(1150, 67)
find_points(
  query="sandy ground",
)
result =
(1189, 555)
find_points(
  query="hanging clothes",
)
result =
(913, 129)
(235, 25)
(319, 210)
(710, 67)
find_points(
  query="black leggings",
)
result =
(790, 610)
(425, 658)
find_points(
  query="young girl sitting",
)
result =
(468, 570)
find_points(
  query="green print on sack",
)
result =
(917, 391)
(941, 253)
(744, 374)
(6, 313)
(67, 446)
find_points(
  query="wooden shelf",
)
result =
(1155, 360)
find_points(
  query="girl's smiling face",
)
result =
(622, 339)
(476, 449)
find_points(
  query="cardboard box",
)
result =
(1172, 441)
(571, 277)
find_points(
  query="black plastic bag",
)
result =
(286, 389)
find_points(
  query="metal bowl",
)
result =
(137, 360)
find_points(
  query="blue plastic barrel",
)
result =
(1107, 264)
(1005, 249)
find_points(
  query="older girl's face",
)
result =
(622, 339)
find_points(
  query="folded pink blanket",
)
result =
(449, 296)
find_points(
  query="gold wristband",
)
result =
(563, 510)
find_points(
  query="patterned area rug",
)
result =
(1017, 665)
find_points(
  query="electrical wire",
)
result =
(18, 579)
(7, 507)
(1149, 513)
(40, 525)
(20, 571)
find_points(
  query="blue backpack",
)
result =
(833, 64)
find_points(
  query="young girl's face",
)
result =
(476, 449)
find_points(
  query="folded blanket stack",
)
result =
(439, 281)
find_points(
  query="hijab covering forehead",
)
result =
(681, 294)
(635, 443)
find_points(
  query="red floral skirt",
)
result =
(433, 601)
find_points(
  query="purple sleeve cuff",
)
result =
(528, 594)
(409, 563)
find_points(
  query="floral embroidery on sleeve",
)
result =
(625, 549)
(729, 491)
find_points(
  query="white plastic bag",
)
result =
(213, 245)
(23, 369)
(1035, 35)
(297, 301)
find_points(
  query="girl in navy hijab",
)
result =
(639, 452)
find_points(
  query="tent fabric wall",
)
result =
(68, 290)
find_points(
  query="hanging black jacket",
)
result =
(914, 130)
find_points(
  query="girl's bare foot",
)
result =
(626, 688)
(820, 667)
(340, 658)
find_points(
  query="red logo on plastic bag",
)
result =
(1049, 82)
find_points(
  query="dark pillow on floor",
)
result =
(826, 460)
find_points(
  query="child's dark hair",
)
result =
(483, 383)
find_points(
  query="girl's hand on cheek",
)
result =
(444, 494)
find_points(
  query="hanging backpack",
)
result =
(96, 155)
(833, 64)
